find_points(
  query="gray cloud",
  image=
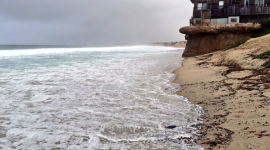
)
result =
(92, 22)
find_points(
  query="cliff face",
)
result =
(207, 39)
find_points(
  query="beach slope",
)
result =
(234, 92)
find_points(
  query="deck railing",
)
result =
(234, 11)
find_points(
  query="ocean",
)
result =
(104, 98)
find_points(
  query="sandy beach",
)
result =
(234, 93)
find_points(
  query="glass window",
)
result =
(259, 2)
(233, 20)
(221, 4)
(202, 6)
(246, 3)
(199, 6)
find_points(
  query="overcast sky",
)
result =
(92, 22)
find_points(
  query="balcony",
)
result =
(234, 11)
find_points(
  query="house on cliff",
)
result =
(208, 12)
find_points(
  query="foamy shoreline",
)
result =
(118, 99)
(233, 93)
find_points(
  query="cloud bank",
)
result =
(92, 22)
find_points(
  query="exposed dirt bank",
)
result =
(207, 39)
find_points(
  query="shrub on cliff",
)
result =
(265, 29)
(262, 32)
(236, 44)
(266, 23)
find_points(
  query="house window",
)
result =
(202, 6)
(233, 20)
(199, 6)
(259, 2)
(221, 4)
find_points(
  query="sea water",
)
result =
(113, 98)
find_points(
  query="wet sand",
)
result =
(234, 93)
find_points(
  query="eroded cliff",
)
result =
(207, 39)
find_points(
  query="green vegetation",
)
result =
(261, 33)
(236, 44)
(266, 64)
(264, 55)
(265, 30)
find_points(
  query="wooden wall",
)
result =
(239, 3)
(267, 2)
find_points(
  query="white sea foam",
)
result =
(118, 98)
(87, 49)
